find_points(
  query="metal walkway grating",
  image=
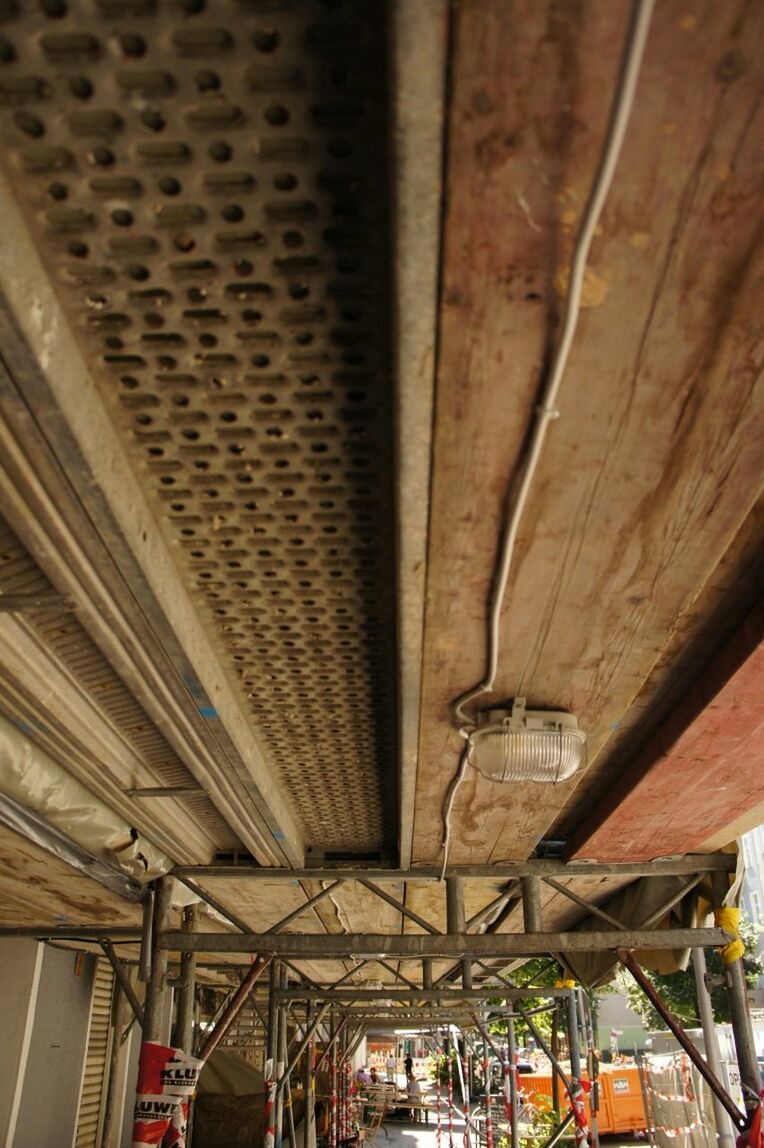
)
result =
(206, 182)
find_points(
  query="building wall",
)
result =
(50, 1095)
(130, 1068)
(20, 966)
(752, 891)
(613, 1012)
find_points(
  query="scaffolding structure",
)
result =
(297, 1014)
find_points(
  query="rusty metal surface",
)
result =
(206, 184)
(61, 633)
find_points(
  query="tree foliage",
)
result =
(539, 972)
(678, 989)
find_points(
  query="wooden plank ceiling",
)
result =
(655, 465)
(37, 887)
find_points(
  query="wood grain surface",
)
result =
(37, 888)
(656, 461)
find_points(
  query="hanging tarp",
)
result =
(230, 1102)
(639, 907)
(32, 777)
(636, 908)
(225, 1073)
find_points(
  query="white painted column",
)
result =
(20, 962)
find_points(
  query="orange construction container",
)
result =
(621, 1108)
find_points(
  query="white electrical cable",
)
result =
(449, 804)
(344, 925)
(620, 112)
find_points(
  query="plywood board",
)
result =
(37, 888)
(657, 458)
(702, 772)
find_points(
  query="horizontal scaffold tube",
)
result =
(337, 946)
(536, 867)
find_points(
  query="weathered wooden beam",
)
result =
(165, 791)
(28, 603)
(340, 945)
(418, 60)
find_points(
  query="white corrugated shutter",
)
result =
(96, 1058)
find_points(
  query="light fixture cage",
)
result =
(544, 746)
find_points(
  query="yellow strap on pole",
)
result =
(728, 918)
(564, 984)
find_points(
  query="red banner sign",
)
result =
(166, 1080)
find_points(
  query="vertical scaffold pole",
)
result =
(184, 1028)
(184, 1025)
(506, 1086)
(514, 1119)
(438, 1093)
(532, 916)
(349, 1092)
(147, 925)
(591, 1064)
(309, 1080)
(284, 1057)
(280, 1065)
(154, 962)
(155, 1013)
(737, 995)
(450, 1092)
(342, 1089)
(487, 1083)
(463, 1068)
(742, 1032)
(555, 1046)
(576, 1088)
(351, 1089)
(333, 1087)
(456, 921)
(271, 1073)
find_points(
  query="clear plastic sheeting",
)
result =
(32, 777)
(34, 828)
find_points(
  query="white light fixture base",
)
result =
(544, 746)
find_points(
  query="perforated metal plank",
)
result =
(206, 182)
